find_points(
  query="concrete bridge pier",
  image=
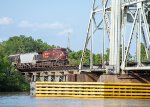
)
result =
(32, 88)
(34, 77)
(41, 76)
(49, 77)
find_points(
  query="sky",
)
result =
(49, 20)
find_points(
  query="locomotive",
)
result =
(53, 57)
(49, 58)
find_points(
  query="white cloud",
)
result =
(65, 32)
(25, 24)
(6, 20)
(56, 25)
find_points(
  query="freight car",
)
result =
(49, 58)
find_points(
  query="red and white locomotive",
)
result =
(54, 57)
(49, 58)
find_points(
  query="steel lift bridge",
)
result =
(124, 22)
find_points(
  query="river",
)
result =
(24, 100)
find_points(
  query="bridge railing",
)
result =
(92, 90)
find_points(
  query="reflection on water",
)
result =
(24, 100)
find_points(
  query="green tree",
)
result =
(97, 59)
(23, 44)
(74, 57)
(10, 78)
(106, 56)
(143, 53)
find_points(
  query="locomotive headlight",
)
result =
(62, 54)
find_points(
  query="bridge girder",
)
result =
(114, 21)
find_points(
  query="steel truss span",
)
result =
(126, 24)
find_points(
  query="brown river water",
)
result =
(24, 100)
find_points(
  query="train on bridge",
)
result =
(46, 59)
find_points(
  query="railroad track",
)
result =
(29, 68)
(40, 68)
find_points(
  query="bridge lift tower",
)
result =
(124, 22)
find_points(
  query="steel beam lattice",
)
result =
(115, 17)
